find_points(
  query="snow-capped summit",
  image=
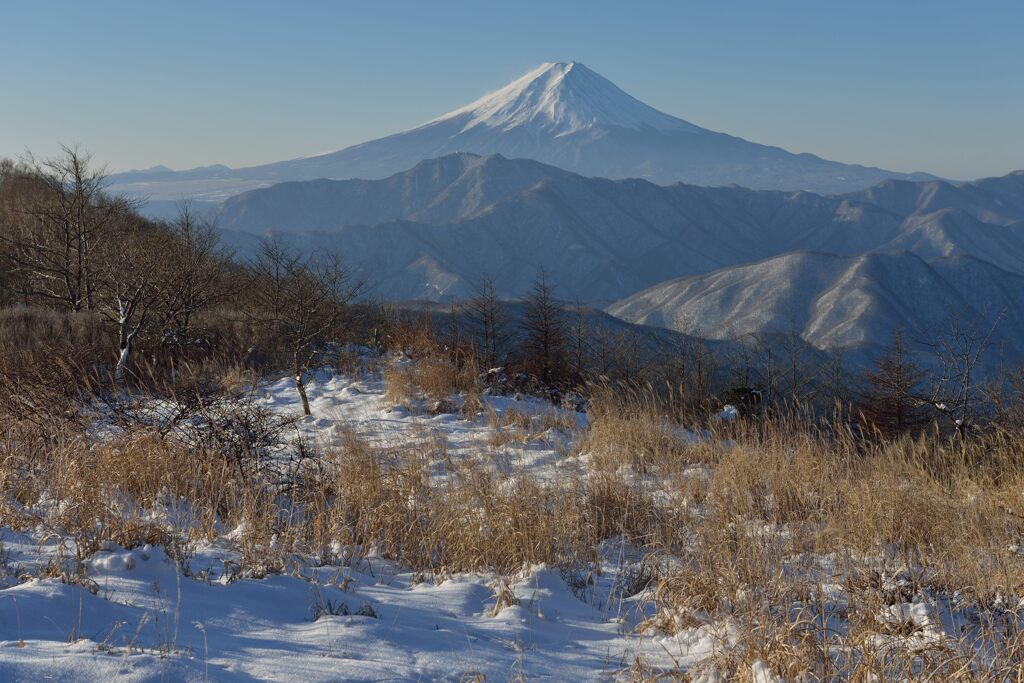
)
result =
(562, 98)
(562, 114)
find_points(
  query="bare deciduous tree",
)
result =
(698, 366)
(489, 322)
(67, 218)
(300, 301)
(956, 392)
(129, 278)
(798, 372)
(196, 279)
(580, 334)
(543, 324)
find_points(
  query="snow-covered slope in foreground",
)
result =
(397, 628)
(562, 114)
(219, 610)
(334, 617)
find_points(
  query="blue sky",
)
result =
(912, 85)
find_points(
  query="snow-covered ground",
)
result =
(341, 406)
(358, 616)
(370, 622)
(138, 617)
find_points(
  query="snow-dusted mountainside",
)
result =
(437, 190)
(849, 303)
(432, 231)
(562, 114)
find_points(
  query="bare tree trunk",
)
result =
(300, 385)
(123, 366)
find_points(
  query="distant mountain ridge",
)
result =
(840, 303)
(563, 114)
(438, 190)
(431, 231)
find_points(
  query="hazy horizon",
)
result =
(931, 88)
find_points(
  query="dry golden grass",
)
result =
(473, 520)
(401, 389)
(508, 427)
(515, 426)
(769, 530)
(98, 494)
(634, 431)
(433, 378)
(925, 509)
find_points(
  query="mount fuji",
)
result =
(563, 114)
